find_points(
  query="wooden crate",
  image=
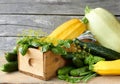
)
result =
(40, 65)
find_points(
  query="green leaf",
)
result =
(88, 77)
(89, 60)
(45, 48)
(85, 73)
(23, 40)
(23, 49)
(65, 43)
(74, 79)
(59, 50)
(15, 49)
(97, 59)
(92, 59)
(35, 43)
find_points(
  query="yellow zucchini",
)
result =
(68, 30)
(107, 67)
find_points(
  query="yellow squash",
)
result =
(107, 67)
(69, 30)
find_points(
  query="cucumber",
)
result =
(77, 61)
(99, 50)
(11, 56)
(65, 70)
(78, 71)
(10, 67)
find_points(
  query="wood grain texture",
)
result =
(11, 25)
(69, 7)
(7, 44)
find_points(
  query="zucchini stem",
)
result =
(87, 9)
(84, 20)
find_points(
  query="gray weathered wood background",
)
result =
(19, 15)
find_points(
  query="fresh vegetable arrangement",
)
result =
(88, 58)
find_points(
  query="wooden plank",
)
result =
(70, 7)
(12, 25)
(7, 44)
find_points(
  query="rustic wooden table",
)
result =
(19, 15)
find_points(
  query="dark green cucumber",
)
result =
(11, 56)
(99, 50)
(10, 67)
(77, 62)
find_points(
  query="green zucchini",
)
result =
(11, 56)
(10, 67)
(98, 50)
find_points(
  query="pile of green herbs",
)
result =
(80, 68)
(35, 42)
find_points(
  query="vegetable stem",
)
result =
(87, 9)
(88, 77)
(84, 20)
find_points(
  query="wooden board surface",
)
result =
(12, 25)
(70, 7)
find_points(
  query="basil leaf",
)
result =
(35, 43)
(59, 50)
(65, 43)
(23, 49)
(45, 48)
